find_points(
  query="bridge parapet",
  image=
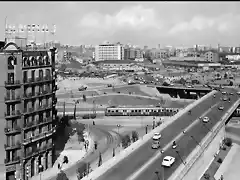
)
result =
(182, 170)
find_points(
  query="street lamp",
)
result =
(156, 172)
(118, 126)
(40, 168)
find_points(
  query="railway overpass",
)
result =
(183, 92)
(142, 163)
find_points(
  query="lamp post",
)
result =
(40, 167)
(156, 172)
(118, 126)
(184, 163)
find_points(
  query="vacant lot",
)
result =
(123, 100)
(134, 89)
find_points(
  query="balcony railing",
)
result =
(42, 79)
(15, 129)
(12, 114)
(37, 94)
(38, 122)
(39, 136)
(12, 83)
(38, 150)
(12, 161)
(16, 145)
(40, 65)
(12, 98)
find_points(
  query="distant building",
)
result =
(211, 56)
(109, 52)
(116, 65)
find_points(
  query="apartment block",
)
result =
(30, 113)
(109, 51)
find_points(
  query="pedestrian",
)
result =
(58, 166)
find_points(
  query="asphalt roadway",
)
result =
(186, 144)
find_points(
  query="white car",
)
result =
(224, 98)
(220, 107)
(205, 119)
(157, 136)
(238, 93)
(224, 92)
(168, 161)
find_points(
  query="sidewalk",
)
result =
(74, 150)
(230, 166)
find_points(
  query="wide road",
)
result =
(124, 169)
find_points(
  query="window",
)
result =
(11, 62)
(11, 77)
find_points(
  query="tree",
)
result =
(225, 76)
(84, 98)
(230, 83)
(135, 136)
(125, 141)
(62, 176)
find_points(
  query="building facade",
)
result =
(30, 114)
(211, 56)
(109, 52)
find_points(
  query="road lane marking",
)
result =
(157, 155)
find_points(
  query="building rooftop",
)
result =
(115, 62)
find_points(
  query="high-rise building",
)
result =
(109, 51)
(30, 114)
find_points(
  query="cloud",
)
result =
(223, 24)
(134, 17)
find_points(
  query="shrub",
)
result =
(135, 136)
(61, 176)
(125, 141)
(206, 176)
(219, 160)
(227, 142)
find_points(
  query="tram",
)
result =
(141, 111)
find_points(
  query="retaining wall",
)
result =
(184, 170)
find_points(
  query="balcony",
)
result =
(14, 130)
(39, 122)
(13, 114)
(37, 80)
(14, 160)
(28, 111)
(40, 65)
(37, 95)
(38, 151)
(16, 83)
(16, 145)
(12, 99)
(39, 136)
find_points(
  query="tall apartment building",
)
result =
(109, 52)
(30, 114)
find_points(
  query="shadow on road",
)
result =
(64, 132)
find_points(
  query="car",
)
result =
(157, 136)
(155, 144)
(238, 93)
(220, 107)
(205, 119)
(231, 93)
(223, 92)
(225, 98)
(168, 161)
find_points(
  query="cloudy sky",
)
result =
(150, 23)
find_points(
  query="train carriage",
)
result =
(140, 111)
